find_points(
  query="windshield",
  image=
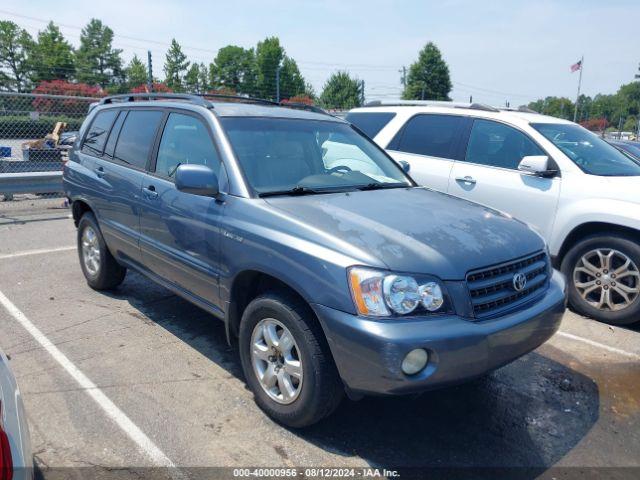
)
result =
(592, 154)
(280, 156)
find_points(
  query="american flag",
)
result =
(576, 66)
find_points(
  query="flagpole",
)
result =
(575, 112)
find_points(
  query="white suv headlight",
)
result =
(379, 294)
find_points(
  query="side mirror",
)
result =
(197, 180)
(406, 166)
(536, 165)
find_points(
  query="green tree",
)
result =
(203, 77)
(97, 62)
(234, 68)
(560, 107)
(192, 79)
(269, 56)
(136, 73)
(428, 77)
(53, 57)
(175, 67)
(341, 92)
(292, 82)
(15, 66)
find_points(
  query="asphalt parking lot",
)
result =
(140, 378)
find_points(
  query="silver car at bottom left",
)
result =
(16, 460)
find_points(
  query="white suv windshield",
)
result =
(280, 156)
(592, 154)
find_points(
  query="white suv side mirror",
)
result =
(535, 165)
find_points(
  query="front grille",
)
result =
(492, 288)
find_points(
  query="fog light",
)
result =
(415, 361)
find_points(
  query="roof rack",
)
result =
(432, 103)
(132, 97)
(201, 99)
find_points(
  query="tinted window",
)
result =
(433, 135)
(136, 137)
(280, 154)
(370, 122)
(587, 150)
(498, 145)
(97, 135)
(113, 136)
(185, 140)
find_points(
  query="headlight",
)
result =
(379, 294)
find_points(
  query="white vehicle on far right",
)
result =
(580, 193)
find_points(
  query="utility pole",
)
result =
(278, 82)
(149, 72)
(403, 78)
(361, 92)
(470, 98)
(575, 111)
(424, 86)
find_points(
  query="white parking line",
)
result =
(144, 443)
(41, 251)
(593, 343)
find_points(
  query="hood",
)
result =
(416, 230)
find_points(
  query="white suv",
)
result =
(580, 193)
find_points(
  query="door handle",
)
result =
(150, 192)
(466, 179)
(99, 172)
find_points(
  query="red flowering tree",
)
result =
(222, 91)
(157, 88)
(304, 99)
(595, 124)
(64, 105)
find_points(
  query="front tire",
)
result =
(286, 361)
(100, 269)
(604, 278)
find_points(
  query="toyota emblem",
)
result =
(519, 281)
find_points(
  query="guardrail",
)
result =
(30, 182)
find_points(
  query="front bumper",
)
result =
(369, 352)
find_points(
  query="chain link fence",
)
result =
(36, 133)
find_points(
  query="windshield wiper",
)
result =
(297, 190)
(381, 185)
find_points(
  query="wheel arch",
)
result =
(78, 208)
(246, 286)
(592, 228)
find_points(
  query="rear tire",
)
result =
(603, 277)
(316, 390)
(100, 269)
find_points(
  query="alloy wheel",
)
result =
(607, 279)
(90, 251)
(276, 361)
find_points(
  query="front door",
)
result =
(180, 232)
(489, 175)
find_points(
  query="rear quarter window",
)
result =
(96, 137)
(370, 122)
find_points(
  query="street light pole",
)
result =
(575, 111)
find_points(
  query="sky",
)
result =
(497, 51)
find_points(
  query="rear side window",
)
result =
(113, 136)
(97, 135)
(432, 135)
(185, 140)
(137, 136)
(370, 122)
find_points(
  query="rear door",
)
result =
(120, 170)
(430, 143)
(180, 232)
(489, 174)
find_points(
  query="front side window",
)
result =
(137, 136)
(588, 151)
(431, 135)
(370, 122)
(308, 156)
(185, 140)
(97, 135)
(498, 145)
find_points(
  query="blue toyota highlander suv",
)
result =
(331, 269)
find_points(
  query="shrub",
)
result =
(64, 106)
(157, 88)
(304, 99)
